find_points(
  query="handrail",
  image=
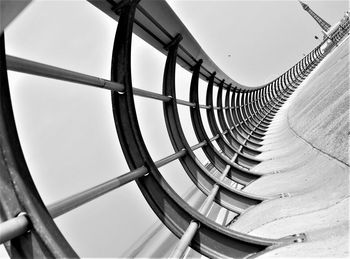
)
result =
(162, 24)
(158, 24)
(248, 112)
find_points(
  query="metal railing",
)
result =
(242, 122)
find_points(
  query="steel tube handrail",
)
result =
(61, 207)
(185, 240)
(185, 103)
(204, 209)
(163, 25)
(40, 69)
(157, 24)
(13, 228)
(74, 201)
(149, 94)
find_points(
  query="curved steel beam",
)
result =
(241, 159)
(230, 198)
(235, 139)
(223, 144)
(211, 239)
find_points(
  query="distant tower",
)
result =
(324, 25)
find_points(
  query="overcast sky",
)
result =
(67, 130)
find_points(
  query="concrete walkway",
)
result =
(307, 147)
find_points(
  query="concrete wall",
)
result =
(307, 146)
(320, 114)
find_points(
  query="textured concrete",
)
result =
(323, 107)
(307, 147)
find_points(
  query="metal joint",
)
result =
(174, 41)
(222, 82)
(117, 7)
(212, 75)
(197, 65)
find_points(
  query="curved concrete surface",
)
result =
(323, 107)
(307, 147)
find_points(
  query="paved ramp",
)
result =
(307, 145)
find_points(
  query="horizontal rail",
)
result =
(13, 228)
(204, 209)
(144, 93)
(204, 106)
(76, 77)
(199, 145)
(61, 207)
(39, 69)
(163, 25)
(185, 103)
(44, 70)
(217, 136)
(185, 240)
(170, 158)
(158, 25)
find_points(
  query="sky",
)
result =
(67, 130)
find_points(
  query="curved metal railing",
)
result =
(27, 227)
